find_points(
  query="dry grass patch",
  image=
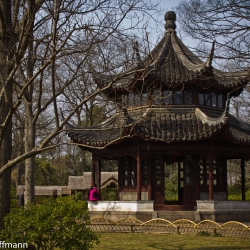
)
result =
(137, 241)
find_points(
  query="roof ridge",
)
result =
(181, 52)
(110, 176)
(159, 56)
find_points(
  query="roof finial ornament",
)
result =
(170, 18)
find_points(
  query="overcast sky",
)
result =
(168, 4)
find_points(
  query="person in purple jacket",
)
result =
(93, 194)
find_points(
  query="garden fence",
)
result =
(182, 226)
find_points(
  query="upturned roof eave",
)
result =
(103, 80)
(153, 61)
(151, 124)
(148, 67)
(157, 64)
(188, 58)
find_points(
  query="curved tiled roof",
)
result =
(238, 131)
(172, 63)
(162, 124)
(46, 190)
(84, 182)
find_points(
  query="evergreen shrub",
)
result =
(54, 224)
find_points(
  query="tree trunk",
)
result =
(5, 180)
(5, 104)
(29, 196)
(5, 154)
(19, 167)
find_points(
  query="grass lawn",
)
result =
(137, 241)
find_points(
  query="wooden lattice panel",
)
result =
(159, 226)
(185, 226)
(100, 220)
(129, 225)
(235, 229)
(100, 224)
(182, 226)
(208, 226)
(128, 221)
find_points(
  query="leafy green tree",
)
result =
(45, 173)
(94, 114)
(110, 193)
(55, 224)
(109, 165)
(234, 191)
(234, 179)
(171, 182)
(76, 162)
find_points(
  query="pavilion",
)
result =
(174, 116)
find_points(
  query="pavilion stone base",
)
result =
(116, 210)
(132, 196)
(222, 211)
(219, 211)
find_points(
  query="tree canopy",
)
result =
(46, 47)
(225, 21)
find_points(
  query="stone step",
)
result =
(176, 215)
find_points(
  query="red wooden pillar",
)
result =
(243, 179)
(93, 171)
(180, 182)
(138, 158)
(150, 179)
(210, 175)
(119, 175)
(197, 178)
(224, 176)
(99, 175)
